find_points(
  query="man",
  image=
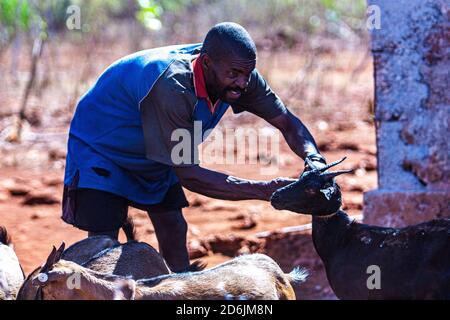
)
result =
(120, 140)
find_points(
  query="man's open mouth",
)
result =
(234, 93)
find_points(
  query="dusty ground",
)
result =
(331, 100)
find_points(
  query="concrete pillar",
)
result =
(411, 51)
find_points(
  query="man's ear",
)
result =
(206, 60)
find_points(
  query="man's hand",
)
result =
(315, 165)
(277, 183)
(316, 160)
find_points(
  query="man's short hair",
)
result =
(229, 39)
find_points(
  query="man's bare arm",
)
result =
(296, 135)
(221, 186)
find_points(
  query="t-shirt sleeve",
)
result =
(168, 125)
(259, 99)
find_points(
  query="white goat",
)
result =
(11, 273)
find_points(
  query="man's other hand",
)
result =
(277, 183)
(316, 160)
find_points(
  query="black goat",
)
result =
(409, 263)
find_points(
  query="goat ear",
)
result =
(59, 253)
(49, 261)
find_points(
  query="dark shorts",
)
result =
(99, 211)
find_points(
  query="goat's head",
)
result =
(32, 289)
(314, 193)
(66, 280)
(53, 279)
(39, 278)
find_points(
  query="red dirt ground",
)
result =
(36, 228)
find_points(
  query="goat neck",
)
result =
(329, 231)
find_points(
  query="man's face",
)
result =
(227, 78)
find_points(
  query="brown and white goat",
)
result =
(410, 263)
(11, 273)
(106, 255)
(133, 259)
(248, 277)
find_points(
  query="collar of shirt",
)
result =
(200, 85)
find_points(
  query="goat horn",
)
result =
(331, 175)
(328, 166)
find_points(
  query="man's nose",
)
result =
(242, 82)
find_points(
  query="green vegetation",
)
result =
(286, 18)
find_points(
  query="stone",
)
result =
(3, 196)
(226, 245)
(7, 183)
(399, 209)
(246, 224)
(19, 191)
(38, 215)
(219, 205)
(368, 164)
(348, 145)
(52, 181)
(231, 245)
(197, 249)
(193, 230)
(56, 154)
(196, 201)
(411, 54)
(40, 197)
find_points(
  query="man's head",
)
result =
(228, 57)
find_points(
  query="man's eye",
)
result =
(232, 74)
